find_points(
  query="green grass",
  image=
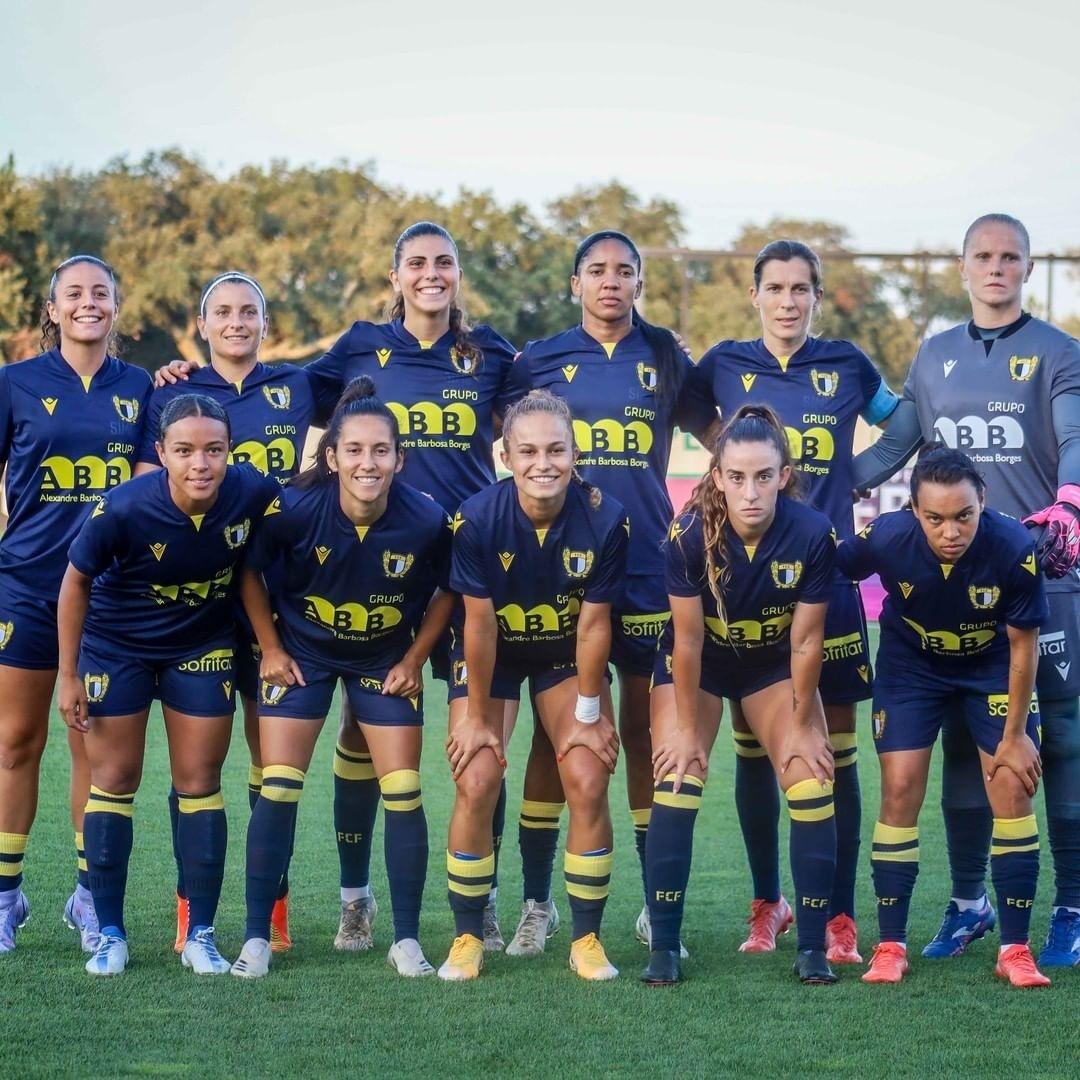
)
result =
(322, 1013)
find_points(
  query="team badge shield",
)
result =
(786, 574)
(97, 686)
(825, 383)
(126, 408)
(577, 563)
(395, 565)
(280, 397)
(236, 535)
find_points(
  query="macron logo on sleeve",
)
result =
(949, 365)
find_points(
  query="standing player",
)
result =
(819, 389)
(270, 409)
(1005, 388)
(959, 634)
(622, 379)
(145, 612)
(361, 555)
(539, 558)
(70, 424)
(749, 573)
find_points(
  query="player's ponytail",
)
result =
(50, 331)
(670, 359)
(544, 401)
(358, 399)
(469, 355)
(939, 464)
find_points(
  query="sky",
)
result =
(900, 121)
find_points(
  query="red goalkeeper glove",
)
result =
(1059, 550)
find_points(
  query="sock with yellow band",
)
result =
(81, 876)
(269, 841)
(668, 852)
(588, 881)
(12, 850)
(757, 802)
(356, 805)
(813, 858)
(107, 832)
(468, 879)
(406, 848)
(1014, 870)
(847, 798)
(202, 837)
(640, 818)
(894, 862)
(538, 839)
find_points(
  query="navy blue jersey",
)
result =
(164, 582)
(351, 597)
(445, 404)
(949, 612)
(537, 579)
(623, 437)
(66, 439)
(269, 414)
(793, 561)
(818, 393)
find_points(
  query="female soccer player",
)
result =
(539, 558)
(959, 634)
(622, 379)
(146, 611)
(1006, 387)
(364, 562)
(270, 408)
(69, 428)
(819, 389)
(749, 573)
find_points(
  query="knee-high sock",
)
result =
(498, 827)
(12, 850)
(847, 798)
(269, 840)
(254, 786)
(81, 875)
(813, 858)
(203, 836)
(894, 860)
(668, 851)
(538, 839)
(356, 803)
(468, 879)
(588, 881)
(1014, 867)
(640, 818)
(174, 823)
(968, 819)
(108, 834)
(757, 801)
(406, 846)
(1061, 785)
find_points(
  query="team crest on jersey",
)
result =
(158, 550)
(786, 574)
(747, 382)
(97, 686)
(983, 596)
(50, 404)
(395, 565)
(1022, 368)
(463, 365)
(236, 535)
(280, 397)
(577, 563)
(647, 377)
(322, 553)
(569, 371)
(383, 356)
(6, 630)
(272, 695)
(126, 408)
(460, 673)
(825, 383)
(506, 558)
(878, 720)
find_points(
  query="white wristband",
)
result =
(587, 710)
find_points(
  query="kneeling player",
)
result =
(146, 611)
(539, 557)
(749, 573)
(959, 632)
(359, 558)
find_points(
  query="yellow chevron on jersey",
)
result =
(322, 553)
(457, 522)
(158, 550)
(569, 371)
(99, 509)
(946, 569)
(906, 587)
(747, 382)
(383, 356)
(506, 558)
(1029, 564)
(273, 508)
(50, 404)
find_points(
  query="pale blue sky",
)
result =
(902, 121)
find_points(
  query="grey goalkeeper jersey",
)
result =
(997, 406)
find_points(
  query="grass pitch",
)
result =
(324, 1013)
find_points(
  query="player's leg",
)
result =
(589, 852)
(493, 939)
(79, 913)
(669, 844)
(813, 825)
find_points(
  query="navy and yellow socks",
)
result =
(498, 827)
(406, 847)
(269, 841)
(202, 837)
(81, 876)
(356, 804)
(468, 879)
(588, 881)
(1014, 869)
(847, 798)
(12, 850)
(968, 818)
(538, 839)
(107, 831)
(668, 852)
(757, 802)
(640, 818)
(813, 858)
(894, 860)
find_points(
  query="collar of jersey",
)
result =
(68, 372)
(589, 344)
(522, 519)
(397, 330)
(801, 353)
(345, 524)
(972, 550)
(209, 373)
(1025, 318)
(781, 511)
(173, 510)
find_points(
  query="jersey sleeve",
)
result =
(99, 541)
(441, 555)
(268, 538)
(1025, 605)
(855, 557)
(1065, 378)
(499, 352)
(607, 584)
(684, 558)
(7, 422)
(820, 568)
(910, 391)
(467, 574)
(696, 407)
(157, 401)
(879, 401)
(327, 375)
(519, 380)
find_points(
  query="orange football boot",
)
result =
(842, 941)
(889, 964)
(1016, 964)
(767, 919)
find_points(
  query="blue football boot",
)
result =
(1062, 947)
(959, 929)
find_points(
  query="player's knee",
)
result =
(901, 800)
(117, 777)
(1010, 798)
(585, 782)
(199, 779)
(21, 745)
(478, 786)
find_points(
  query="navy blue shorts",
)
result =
(721, 677)
(27, 630)
(637, 621)
(908, 712)
(119, 684)
(368, 703)
(846, 674)
(506, 679)
(247, 660)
